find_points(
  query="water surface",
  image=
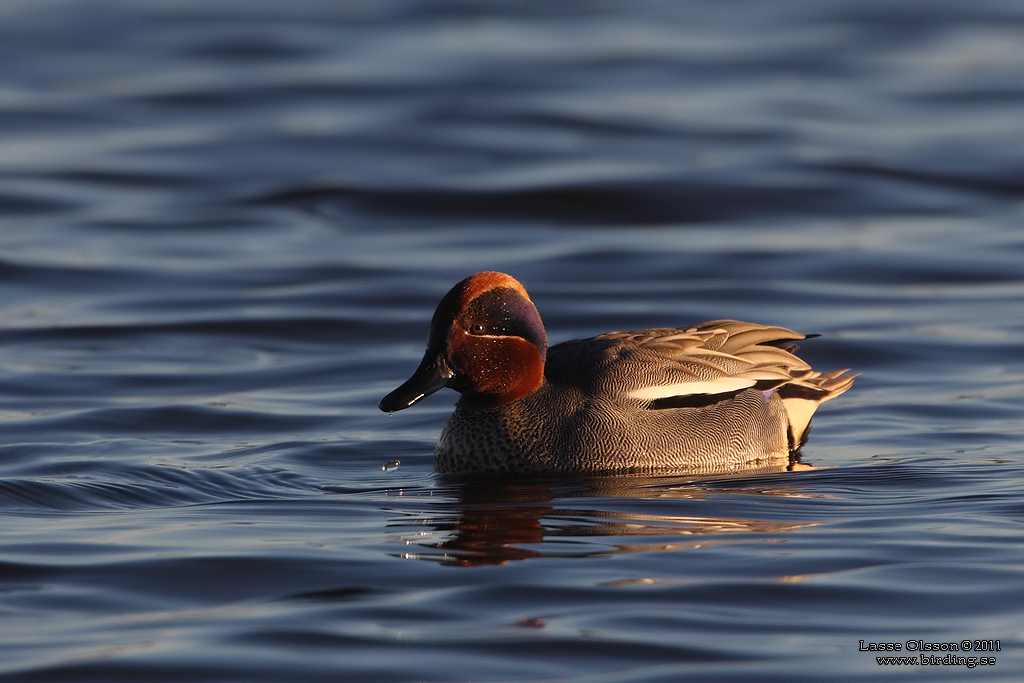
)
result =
(224, 227)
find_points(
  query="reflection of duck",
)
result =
(721, 396)
(499, 522)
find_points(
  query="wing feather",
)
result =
(719, 357)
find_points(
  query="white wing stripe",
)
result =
(721, 385)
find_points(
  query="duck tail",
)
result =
(803, 395)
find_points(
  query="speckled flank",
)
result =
(606, 435)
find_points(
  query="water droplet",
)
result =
(391, 465)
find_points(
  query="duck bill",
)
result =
(432, 374)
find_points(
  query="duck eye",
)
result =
(477, 329)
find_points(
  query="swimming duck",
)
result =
(717, 397)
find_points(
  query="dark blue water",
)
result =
(224, 227)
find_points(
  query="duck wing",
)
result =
(677, 367)
(699, 366)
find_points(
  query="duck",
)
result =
(722, 396)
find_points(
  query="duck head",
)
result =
(486, 341)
